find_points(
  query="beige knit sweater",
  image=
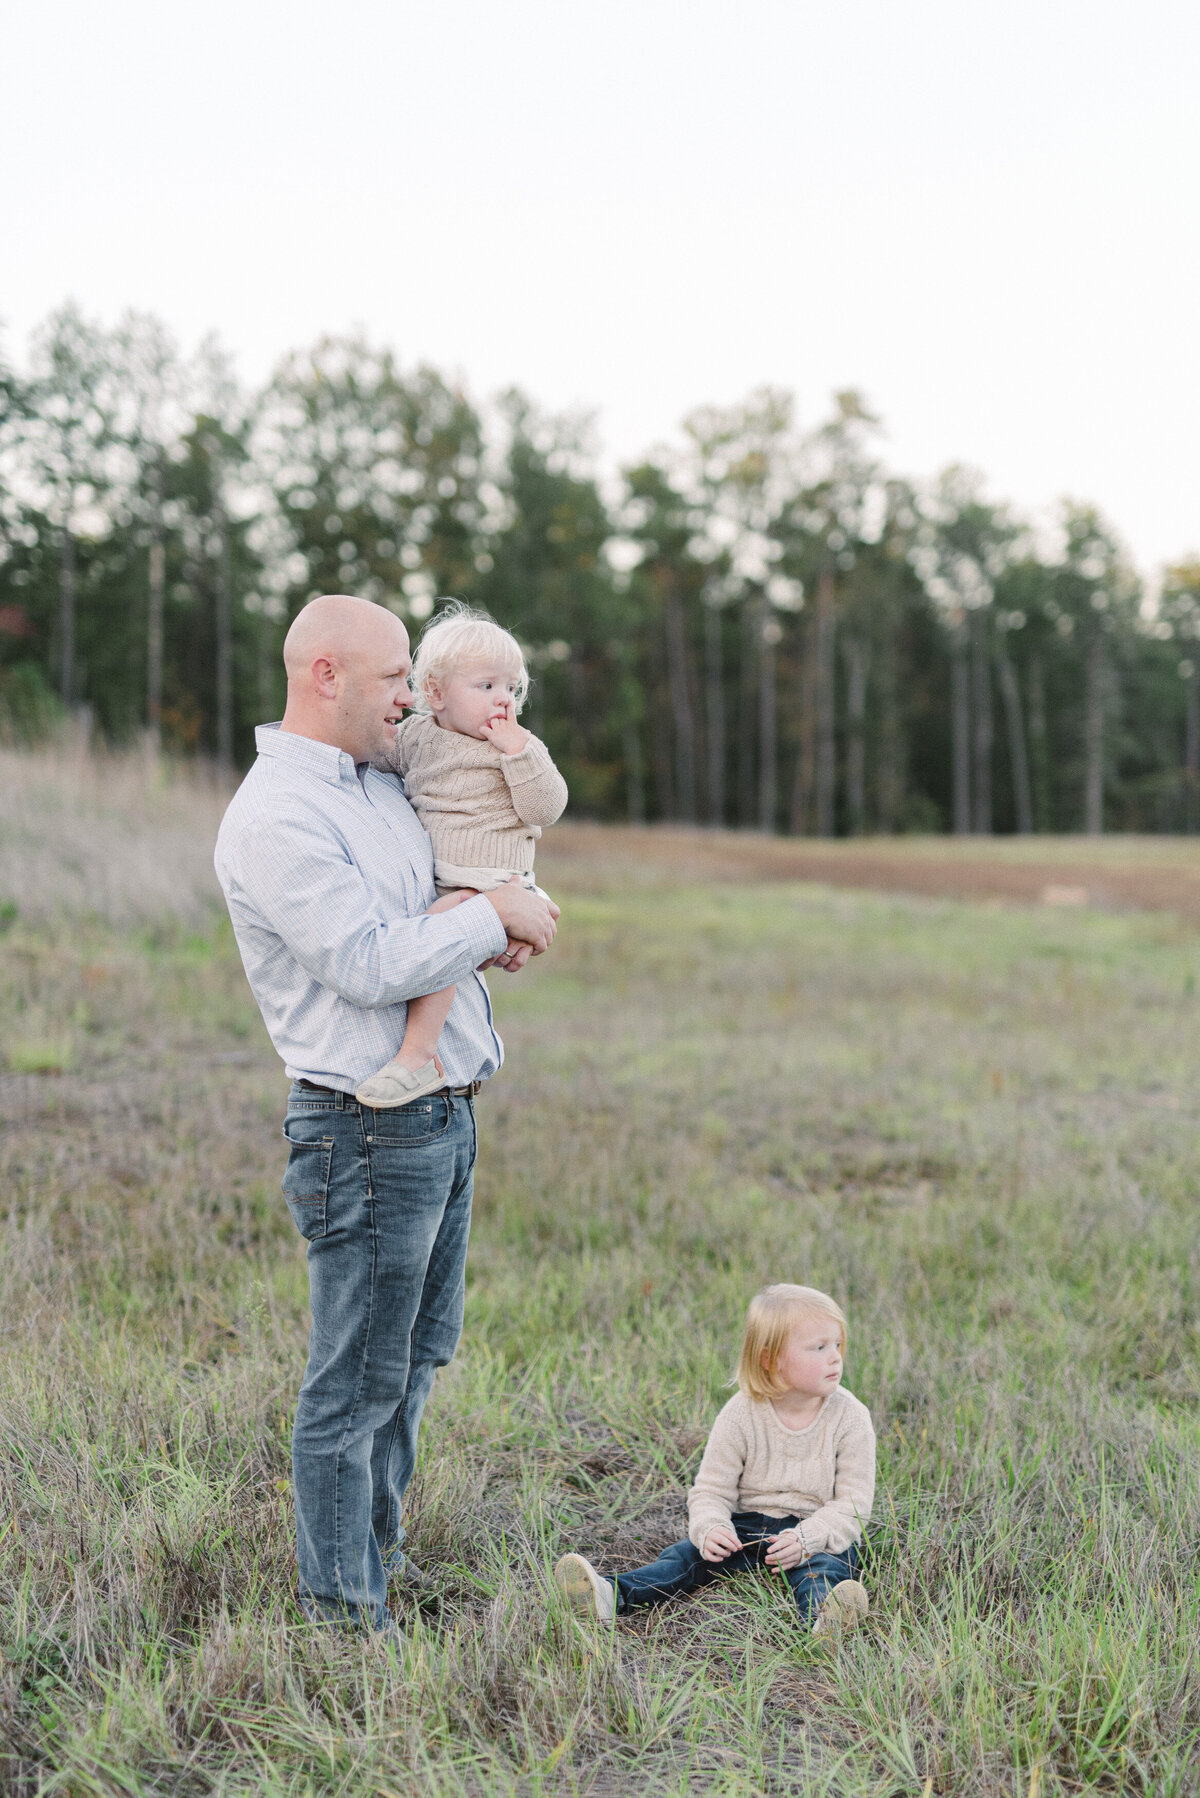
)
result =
(482, 809)
(824, 1474)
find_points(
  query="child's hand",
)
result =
(720, 1541)
(787, 1550)
(504, 731)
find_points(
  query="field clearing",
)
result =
(1106, 873)
(976, 1124)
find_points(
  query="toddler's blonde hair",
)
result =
(772, 1315)
(456, 637)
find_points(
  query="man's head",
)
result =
(347, 664)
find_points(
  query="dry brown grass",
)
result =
(1108, 873)
(978, 1127)
(122, 838)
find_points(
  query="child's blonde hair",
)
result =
(456, 637)
(773, 1314)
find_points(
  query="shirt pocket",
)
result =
(306, 1178)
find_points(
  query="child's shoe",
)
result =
(394, 1085)
(842, 1607)
(584, 1589)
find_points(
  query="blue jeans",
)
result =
(383, 1199)
(682, 1568)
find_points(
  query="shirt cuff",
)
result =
(485, 934)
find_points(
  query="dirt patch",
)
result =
(1136, 873)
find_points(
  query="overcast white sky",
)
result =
(984, 215)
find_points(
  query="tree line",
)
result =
(755, 626)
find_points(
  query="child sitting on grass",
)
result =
(786, 1481)
(481, 785)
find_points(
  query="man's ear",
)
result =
(325, 677)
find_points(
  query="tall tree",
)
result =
(1179, 607)
(71, 454)
(1097, 592)
(151, 417)
(965, 545)
(830, 520)
(377, 477)
(551, 581)
(739, 470)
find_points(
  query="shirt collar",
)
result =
(307, 755)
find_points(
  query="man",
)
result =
(329, 881)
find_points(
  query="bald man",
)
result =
(329, 881)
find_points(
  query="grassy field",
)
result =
(976, 1125)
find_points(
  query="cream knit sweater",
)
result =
(825, 1474)
(482, 809)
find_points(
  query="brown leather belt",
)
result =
(443, 1092)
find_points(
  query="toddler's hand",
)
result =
(787, 1550)
(721, 1540)
(504, 731)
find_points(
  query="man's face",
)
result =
(374, 693)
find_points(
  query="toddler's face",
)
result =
(811, 1359)
(474, 695)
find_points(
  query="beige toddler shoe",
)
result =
(584, 1589)
(843, 1607)
(394, 1085)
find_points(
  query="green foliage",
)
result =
(29, 711)
(760, 625)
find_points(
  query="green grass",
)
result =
(975, 1125)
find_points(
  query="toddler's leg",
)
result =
(416, 1069)
(680, 1568)
(826, 1591)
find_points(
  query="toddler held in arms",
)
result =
(786, 1482)
(482, 786)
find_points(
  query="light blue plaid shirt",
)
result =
(326, 872)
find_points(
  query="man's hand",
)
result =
(503, 730)
(722, 1540)
(510, 960)
(787, 1550)
(526, 917)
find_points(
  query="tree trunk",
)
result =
(1191, 754)
(224, 635)
(66, 615)
(890, 744)
(681, 707)
(1093, 737)
(1043, 807)
(981, 683)
(635, 773)
(715, 707)
(1022, 797)
(857, 665)
(266, 665)
(746, 720)
(960, 714)
(805, 783)
(154, 636)
(768, 753)
(826, 742)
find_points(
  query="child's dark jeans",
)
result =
(682, 1568)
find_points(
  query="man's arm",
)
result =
(294, 879)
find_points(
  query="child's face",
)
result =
(473, 695)
(810, 1361)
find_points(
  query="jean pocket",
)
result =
(409, 1126)
(306, 1185)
